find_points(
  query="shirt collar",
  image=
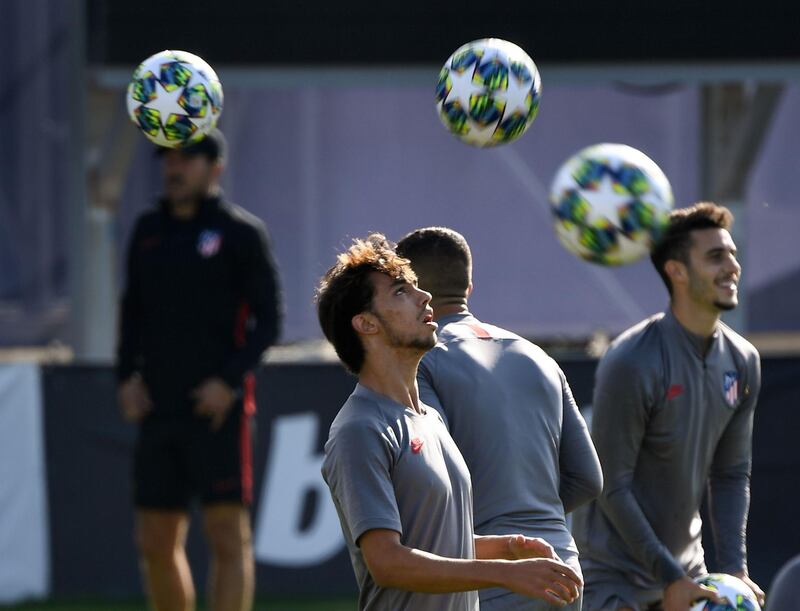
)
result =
(207, 205)
(367, 393)
(698, 343)
(457, 317)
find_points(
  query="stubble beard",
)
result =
(418, 344)
(697, 291)
(725, 307)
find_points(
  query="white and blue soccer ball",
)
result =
(610, 204)
(739, 596)
(488, 92)
(174, 98)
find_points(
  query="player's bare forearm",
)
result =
(392, 565)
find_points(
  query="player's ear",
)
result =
(216, 169)
(676, 271)
(365, 323)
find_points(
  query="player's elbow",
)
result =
(382, 574)
(386, 573)
(593, 487)
(613, 493)
(730, 472)
(582, 491)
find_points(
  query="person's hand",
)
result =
(214, 398)
(521, 547)
(760, 596)
(134, 399)
(542, 578)
(680, 594)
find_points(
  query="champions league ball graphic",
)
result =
(488, 92)
(610, 204)
(174, 98)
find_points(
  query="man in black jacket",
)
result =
(200, 306)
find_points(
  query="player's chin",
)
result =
(726, 305)
(429, 341)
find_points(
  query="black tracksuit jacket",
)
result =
(202, 299)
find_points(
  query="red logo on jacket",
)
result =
(416, 445)
(675, 391)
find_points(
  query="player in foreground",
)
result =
(509, 409)
(200, 306)
(399, 483)
(673, 416)
(784, 592)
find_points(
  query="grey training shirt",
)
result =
(511, 412)
(390, 467)
(670, 421)
(784, 594)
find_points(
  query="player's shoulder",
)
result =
(240, 219)
(786, 585)
(638, 346)
(469, 329)
(362, 415)
(148, 221)
(738, 343)
(467, 326)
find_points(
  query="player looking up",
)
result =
(397, 479)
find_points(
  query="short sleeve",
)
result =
(357, 468)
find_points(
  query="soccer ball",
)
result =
(610, 204)
(739, 596)
(175, 98)
(488, 92)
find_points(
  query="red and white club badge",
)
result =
(730, 386)
(209, 242)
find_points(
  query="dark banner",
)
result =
(299, 548)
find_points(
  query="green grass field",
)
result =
(262, 605)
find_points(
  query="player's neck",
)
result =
(188, 208)
(440, 310)
(696, 320)
(184, 210)
(393, 373)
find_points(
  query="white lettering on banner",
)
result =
(293, 469)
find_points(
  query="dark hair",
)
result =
(442, 261)
(677, 238)
(346, 290)
(212, 146)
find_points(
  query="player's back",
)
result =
(503, 401)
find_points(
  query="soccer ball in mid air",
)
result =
(488, 92)
(610, 204)
(175, 98)
(739, 596)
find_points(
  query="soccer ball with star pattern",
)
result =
(488, 92)
(738, 595)
(610, 204)
(174, 98)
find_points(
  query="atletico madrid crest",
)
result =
(208, 243)
(730, 387)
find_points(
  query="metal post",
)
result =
(76, 186)
(735, 121)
